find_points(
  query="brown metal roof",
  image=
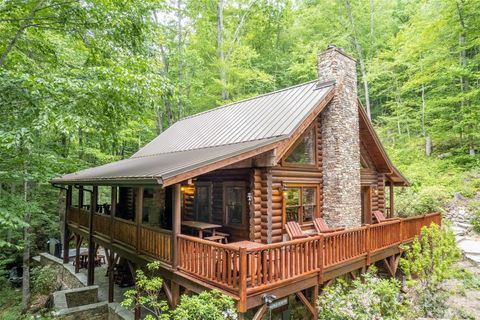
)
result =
(270, 115)
(156, 169)
(247, 126)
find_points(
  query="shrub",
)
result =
(208, 305)
(146, 294)
(426, 200)
(367, 298)
(431, 256)
(45, 279)
(475, 221)
(427, 263)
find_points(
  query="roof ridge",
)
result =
(246, 99)
(206, 147)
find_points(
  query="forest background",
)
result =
(83, 83)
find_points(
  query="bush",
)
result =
(429, 199)
(208, 305)
(428, 262)
(431, 256)
(475, 221)
(45, 280)
(367, 298)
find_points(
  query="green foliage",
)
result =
(431, 257)
(147, 293)
(45, 279)
(367, 298)
(208, 305)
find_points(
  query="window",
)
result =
(203, 208)
(126, 199)
(301, 204)
(153, 206)
(235, 203)
(304, 152)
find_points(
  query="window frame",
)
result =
(301, 186)
(284, 161)
(195, 197)
(237, 184)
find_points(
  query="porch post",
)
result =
(66, 231)
(392, 213)
(139, 215)
(176, 221)
(113, 210)
(91, 245)
(80, 197)
(111, 265)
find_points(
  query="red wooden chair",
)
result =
(294, 230)
(381, 218)
(322, 227)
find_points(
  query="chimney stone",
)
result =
(340, 141)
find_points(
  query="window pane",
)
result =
(234, 202)
(202, 201)
(126, 203)
(309, 203)
(304, 153)
(292, 204)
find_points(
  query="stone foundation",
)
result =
(340, 141)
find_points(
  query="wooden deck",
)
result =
(247, 273)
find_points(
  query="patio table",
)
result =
(201, 226)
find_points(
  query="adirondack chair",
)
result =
(322, 227)
(294, 230)
(381, 218)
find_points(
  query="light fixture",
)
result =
(182, 189)
(375, 190)
(284, 190)
(249, 198)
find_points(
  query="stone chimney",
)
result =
(340, 141)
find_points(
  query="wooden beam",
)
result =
(392, 207)
(111, 266)
(91, 246)
(307, 303)
(269, 206)
(260, 312)
(66, 231)
(175, 294)
(78, 244)
(138, 215)
(176, 221)
(168, 293)
(113, 210)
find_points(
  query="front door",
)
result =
(367, 205)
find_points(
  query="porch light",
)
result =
(249, 198)
(375, 190)
(284, 190)
(182, 189)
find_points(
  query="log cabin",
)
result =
(210, 197)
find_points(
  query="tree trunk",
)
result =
(361, 58)
(428, 146)
(220, 49)
(26, 248)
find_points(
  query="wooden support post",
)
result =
(175, 289)
(137, 311)
(392, 213)
(314, 300)
(91, 246)
(321, 245)
(138, 215)
(260, 312)
(307, 304)
(367, 244)
(176, 222)
(80, 197)
(78, 244)
(111, 267)
(242, 281)
(113, 210)
(66, 231)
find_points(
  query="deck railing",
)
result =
(125, 231)
(156, 243)
(270, 265)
